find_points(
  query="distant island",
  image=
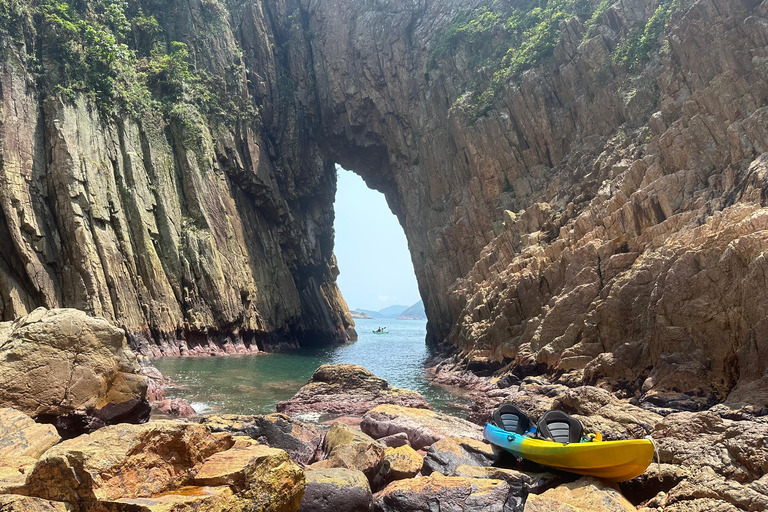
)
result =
(415, 312)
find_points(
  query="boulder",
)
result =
(263, 476)
(336, 490)
(20, 436)
(175, 407)
(22, 442)
(15, 503)
(124, 461)
(584, 495)
(423, 427)
(403, 462)
(349, 448)
(447, 493)
(62, 363)
(300, 440)
(449, 453)
(348, 389)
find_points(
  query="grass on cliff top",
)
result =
(503, 40)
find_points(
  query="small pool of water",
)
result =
(254, 384)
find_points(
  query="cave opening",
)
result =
(376, 271)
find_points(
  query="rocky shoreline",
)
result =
(383, 449)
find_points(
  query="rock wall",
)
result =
(599, 221)
(219, 244)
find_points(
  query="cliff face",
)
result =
(601, 215)
(122, 196)
(582, 185)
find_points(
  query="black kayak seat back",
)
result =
(511, 419)
(560, 427)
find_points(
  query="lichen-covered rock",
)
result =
(123, 461)
(447, 454)
(348, 389)
(187, 499)
(301, 440)
(451, 493)
(349, 448)
(520, 484)
(402, 462)
(423, 427)
(337, 490)
(16, 503)
(63, 363)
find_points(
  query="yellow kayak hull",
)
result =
(615, 461)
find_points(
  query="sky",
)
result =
(374, 263)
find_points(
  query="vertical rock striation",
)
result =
(196, 233)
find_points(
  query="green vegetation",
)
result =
(635, 49)
(501, 42)
(116, 53)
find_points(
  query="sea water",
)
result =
(254, 384)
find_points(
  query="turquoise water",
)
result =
(254, 384)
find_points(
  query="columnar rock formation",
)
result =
(600, 214)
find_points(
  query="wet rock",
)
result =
(423, 427)
(447, 454)
(337, 490)
(175, 407)
(347, 389)
(349, 448)
(66, 367)
(300, 440)
(124, 461)
(402, 462)
(15, 503)
(585, 494)
(451, 493)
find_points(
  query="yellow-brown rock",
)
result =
(20, 436)
(184, 499)
(404, 462)
(349, 448)
(584, 495)
(453, 493)
(264, 476)
(123, 461)
(16, 503)
(60, 361)
(337, 490)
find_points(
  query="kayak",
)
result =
(616, 461)
(380, 332)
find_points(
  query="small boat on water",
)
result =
(380, 332)
(559, 442)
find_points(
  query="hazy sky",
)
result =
(376, 268)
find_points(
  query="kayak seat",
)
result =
(560, 427)
(511, 419)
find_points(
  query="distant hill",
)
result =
(415, 312)
(359, 314)
(388, 312)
